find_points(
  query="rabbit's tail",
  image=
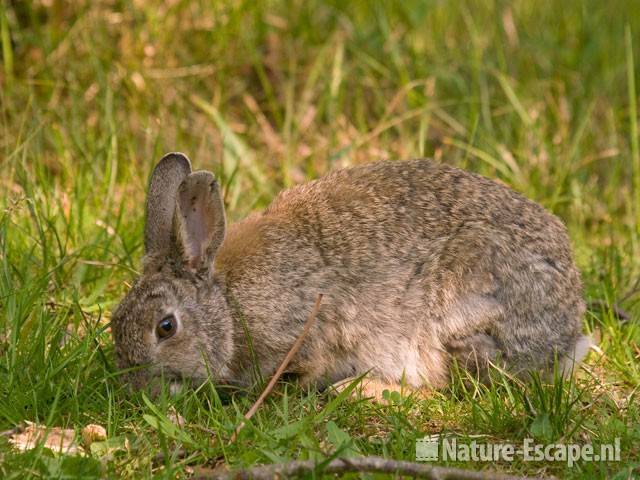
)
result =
(571, 360)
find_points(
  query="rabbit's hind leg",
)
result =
(543, 318)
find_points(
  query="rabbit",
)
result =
(421, 265)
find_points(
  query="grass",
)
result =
(539, 95)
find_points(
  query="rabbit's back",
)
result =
(397, 211)
(408, 254)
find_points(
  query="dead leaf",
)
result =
(93, 433)
(58, 440)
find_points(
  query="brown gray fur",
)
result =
(419, 262)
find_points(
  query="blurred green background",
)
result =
(540, 95)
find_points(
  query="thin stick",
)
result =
(12, 431)
(359, 464)
(294, 349)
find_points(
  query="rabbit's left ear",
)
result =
(167, 176)
(199, 223)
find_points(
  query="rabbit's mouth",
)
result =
(172, 385)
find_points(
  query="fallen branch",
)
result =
(294, 349)
(359, 464)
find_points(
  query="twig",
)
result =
(281, 368)
(12, 431)
(620, 314)
(359, 464)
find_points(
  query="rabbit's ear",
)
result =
(167, 176)
(200, 221)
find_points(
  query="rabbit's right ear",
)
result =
(200, 222)
(167, 176)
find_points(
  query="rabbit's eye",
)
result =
(166, 327)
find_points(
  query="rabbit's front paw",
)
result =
(373, 389)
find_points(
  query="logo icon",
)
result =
(427, 448)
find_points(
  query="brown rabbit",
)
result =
(419, 263)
